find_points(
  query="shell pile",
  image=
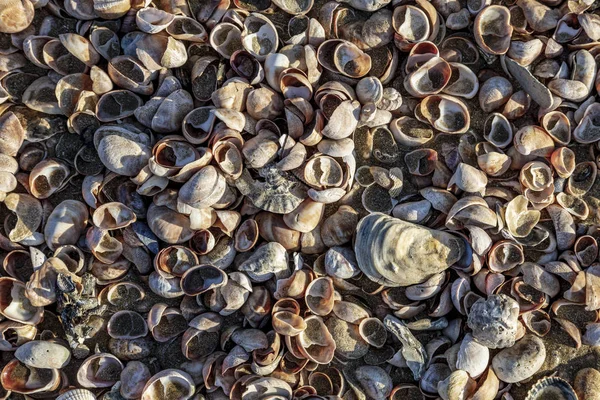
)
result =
(298, 199)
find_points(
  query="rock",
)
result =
(520, 361)
(587, 384)
(42, 354)
(494, 321)
(393, 252)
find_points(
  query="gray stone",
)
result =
(494, 321)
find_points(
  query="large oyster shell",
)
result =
(393, 252)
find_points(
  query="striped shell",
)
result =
(77, 394)
(551, 387)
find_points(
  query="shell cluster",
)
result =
(298, 199)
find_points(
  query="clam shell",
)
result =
(551, 386)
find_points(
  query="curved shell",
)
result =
(493, 29)
(169, 384)
(445, 113)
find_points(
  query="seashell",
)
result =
(373, 332)
(225, 38)
(127, 325)
(518, 104)
(369, 90)
(133, 378)
(99, 371)
(430, 78)
(343, 120)
(287, 323)
(585, 385)
(551, 386)
(582, 179)
(122, 151)
(384, 267)
(463, 82)
(112, 216)
(410, 132)
(268, 260)
(461, 214)
(117, 104)
(156, 52)
(533, 140)
(77, 394)
(30, 380)
(494, 93)
(375, 382)
(41, 354)
(493, 29)
(343, 57)
(564, 226)
(472, 357)
(13, 134)
(128, 73)
(457, 386)
(525, 52)
(534, 88)
(445, 113)
(468, 179)
(539, 17)
(65, 224)
(47, 177)
(259, 36)
(80, 47)
(168, 225)
(316, 342)
(520, 361)
(491, 160)
(249, 68)
(174, 382)
(264, 103)
(184, 28)
(519, 220)
(153, 20)
(320, 296)
(202, 278)
(574, 205)
(411, 25)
